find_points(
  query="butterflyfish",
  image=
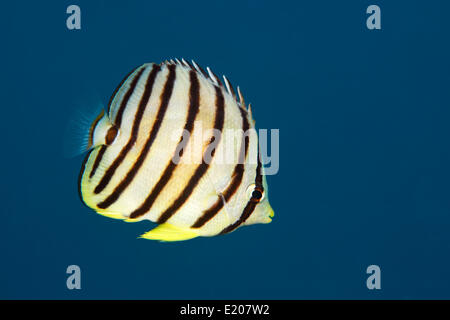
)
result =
(177, 146)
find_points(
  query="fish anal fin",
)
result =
(169, 232)
(112, 215)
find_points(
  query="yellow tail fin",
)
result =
(168, 232)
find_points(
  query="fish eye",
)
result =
(255, 193)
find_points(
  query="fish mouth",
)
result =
(270, 215)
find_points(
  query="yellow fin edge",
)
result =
(168, 232)
(112, 215)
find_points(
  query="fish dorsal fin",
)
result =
(169, 232)
(212, 77)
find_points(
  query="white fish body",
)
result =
(131, 172)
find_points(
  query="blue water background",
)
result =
(364, 149)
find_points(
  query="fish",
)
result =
(177, 146)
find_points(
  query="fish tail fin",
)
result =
(169, 232)
(78, 133)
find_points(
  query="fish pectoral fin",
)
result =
(168, 232)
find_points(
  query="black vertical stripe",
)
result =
(137, 120)
(251, 204)
(80, 175)
(237, 175)
(203, 167)
(194, 104)
(97, 161)
(117, 89)
(165, 96)
(126, 97)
